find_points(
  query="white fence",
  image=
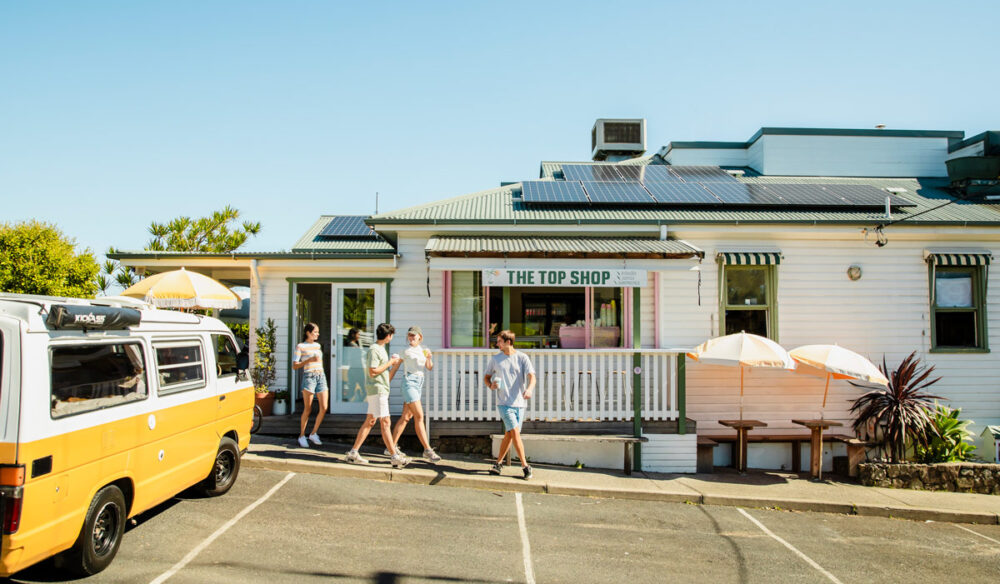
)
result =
(585, 385)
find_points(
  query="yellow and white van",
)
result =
(107, 408)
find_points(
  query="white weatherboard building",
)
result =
(877, 240)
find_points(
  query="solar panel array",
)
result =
(347, 227)
(662, 185)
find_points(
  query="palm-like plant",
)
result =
(901, 410)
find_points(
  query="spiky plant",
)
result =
(902, 410)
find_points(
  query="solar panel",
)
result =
(704, 174)
(348, 227)
(678, 193)
(620, 193)
(658, 173)
(553, 192)
(868, 196)
(631, 173)
(591, 172)
(743, 194)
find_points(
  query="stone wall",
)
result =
(966, 477)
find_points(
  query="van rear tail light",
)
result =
(11, 499)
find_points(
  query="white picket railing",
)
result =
(580, 385)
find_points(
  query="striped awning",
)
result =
(750, 258)
(960, 259)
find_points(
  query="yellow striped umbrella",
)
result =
(183, 289)
(838, 363)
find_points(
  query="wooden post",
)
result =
(637, 373)
(816, 453)
(681, 394)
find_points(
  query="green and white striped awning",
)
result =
(960, 259)
(750, 258)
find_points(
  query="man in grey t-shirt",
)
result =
(510, 374)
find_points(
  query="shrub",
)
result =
(264, 370)
(947, 438)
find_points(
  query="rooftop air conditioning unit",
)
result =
(617, 139)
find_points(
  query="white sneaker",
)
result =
(354, 458)
(399, 461)
(314, 438)
(302, 442)
(387, 453)
(432, 456)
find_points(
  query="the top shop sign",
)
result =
(578, 277)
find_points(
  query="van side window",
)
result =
(180, 366)
(93, 376)
(225, 354)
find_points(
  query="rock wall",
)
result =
(966, 477)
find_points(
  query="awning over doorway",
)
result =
(560, 247)
(964, 258)
(750, 258)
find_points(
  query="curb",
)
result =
(511, 484)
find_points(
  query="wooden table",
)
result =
(816, 443)
(742, 427)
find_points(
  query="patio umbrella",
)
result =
(742, 350)
(838, 363)
(183, 289)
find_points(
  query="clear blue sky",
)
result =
(116, 114)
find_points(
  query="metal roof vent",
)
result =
(618, 139)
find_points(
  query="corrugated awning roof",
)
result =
(564, 247)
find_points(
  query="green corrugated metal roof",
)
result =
(311, 242)
(498, 206)
(615, 246)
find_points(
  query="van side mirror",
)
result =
(242, 364)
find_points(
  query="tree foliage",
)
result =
(214, 233)
(36, 258)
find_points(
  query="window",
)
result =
(748, 300)
(179, 366)
(225, 355)
(958, 313)
(91, 377)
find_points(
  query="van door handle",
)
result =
(222, 397)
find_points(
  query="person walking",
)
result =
(416, 360)
(309, 358)
(510, 374)
(380, 369)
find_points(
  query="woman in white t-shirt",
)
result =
(416, 360)
(309, 358)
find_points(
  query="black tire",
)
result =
(224, 471)
(100, 536)
(258, 417)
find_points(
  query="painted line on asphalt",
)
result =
(193, 553)
(806, 558)
(529, 572)
(976, 533)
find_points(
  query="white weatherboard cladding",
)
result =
(708, 156)
(885, 312)
(755, 156)
(875, 156)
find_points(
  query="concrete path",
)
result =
(760, 489)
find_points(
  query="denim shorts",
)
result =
(314, 381)
(512, 417)
(413, 385)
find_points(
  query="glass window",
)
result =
(466, 309)
(606, 317)
(179, 367)
(748, 300)
(225, 355)
(95, 376)
(959, 319)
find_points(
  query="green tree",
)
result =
(36, 258)
(214, 233)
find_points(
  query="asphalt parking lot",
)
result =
(280, 527)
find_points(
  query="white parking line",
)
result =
(529, 572)
(807, 559)
(193, 553)
(975, 533)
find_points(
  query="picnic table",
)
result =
(816, 443)
(742, 427)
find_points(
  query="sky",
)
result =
(117, 114)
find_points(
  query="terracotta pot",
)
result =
(265, 401)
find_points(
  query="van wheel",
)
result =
(101, 534)
(225, 469)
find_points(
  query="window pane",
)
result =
(746, 287)
(91, 377)
(179, 365)
(751, 321)
(466, 309)
(956, 329)
(225, 354)
(953, 290)
(606, 317)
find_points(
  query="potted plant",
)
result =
(280, 402)
(264, 371)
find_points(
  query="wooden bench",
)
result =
(706, 454)
(796, 441)
(627, 441)
(857, 451)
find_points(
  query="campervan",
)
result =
(109, 407)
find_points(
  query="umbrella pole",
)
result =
(826, 389)
(741, 392)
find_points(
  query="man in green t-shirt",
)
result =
(379, 369)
